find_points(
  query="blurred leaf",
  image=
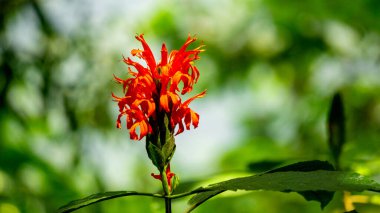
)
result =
(262, 166)
(292, 182)
(305, 166)
(95, 198)
(175, 182)
(336, 128)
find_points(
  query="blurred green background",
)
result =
(270, 69)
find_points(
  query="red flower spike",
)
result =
(155, 84)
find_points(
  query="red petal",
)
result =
(147, 54)
(180, 128)
(164, 55)
(118, 121)
(158, 177)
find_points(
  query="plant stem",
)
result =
(165, 186)
(168, 205)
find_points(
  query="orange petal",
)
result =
(200, 95)
(132, 132)
(175, 99)
(143, 129)
(116, 98)
(135, 52)
(118, 80)
(164, 102)
(194, 118)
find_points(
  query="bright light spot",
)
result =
(2, 182)
(8, 208)
(341, 38)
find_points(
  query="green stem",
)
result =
(165, 186)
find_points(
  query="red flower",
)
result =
(154, 89)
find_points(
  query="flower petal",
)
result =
(164, 55)
(147, 54)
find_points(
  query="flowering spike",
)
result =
(158, 83)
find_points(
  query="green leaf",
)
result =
(168, 150)
(300, 181)
(200, 198)
(323, 197)
(293, 181)
(168, 146)
(155, 155)
(95, 198)
(336, 127)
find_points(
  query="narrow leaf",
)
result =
(336, 127)
(168, 146)
(95, 198)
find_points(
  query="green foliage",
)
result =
(292, 182)
(322, 196)
(314, 180)
(99, 197)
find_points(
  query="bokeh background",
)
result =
(270, 69)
